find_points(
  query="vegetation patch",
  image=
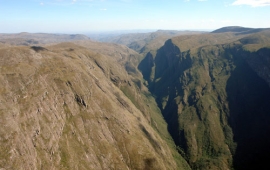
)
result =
(38, 48)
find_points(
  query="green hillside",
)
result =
(214, 94)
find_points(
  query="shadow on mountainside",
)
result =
(249, 104)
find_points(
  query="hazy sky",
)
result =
(78, 16)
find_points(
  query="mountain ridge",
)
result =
(27, 39)
(239, 30)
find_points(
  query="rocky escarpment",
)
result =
(63, 107)
(215, 100)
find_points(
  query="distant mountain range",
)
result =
(240, 30)
(25, 38)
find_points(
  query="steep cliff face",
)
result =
(214, 98)
(63, 107)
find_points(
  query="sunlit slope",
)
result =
(63, 107)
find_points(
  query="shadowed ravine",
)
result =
(216, 105)
(249, 98)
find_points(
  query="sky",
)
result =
(82, 16)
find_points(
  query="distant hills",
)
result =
(145, 42)
(25, 38)
(239, 30)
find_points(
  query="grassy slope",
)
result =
(138, 93)
(61, 111)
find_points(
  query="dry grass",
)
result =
(66, 114)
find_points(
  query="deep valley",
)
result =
(160, 100)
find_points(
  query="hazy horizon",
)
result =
(116, 32)
(92, 16)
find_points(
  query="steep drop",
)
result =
(214, 101)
